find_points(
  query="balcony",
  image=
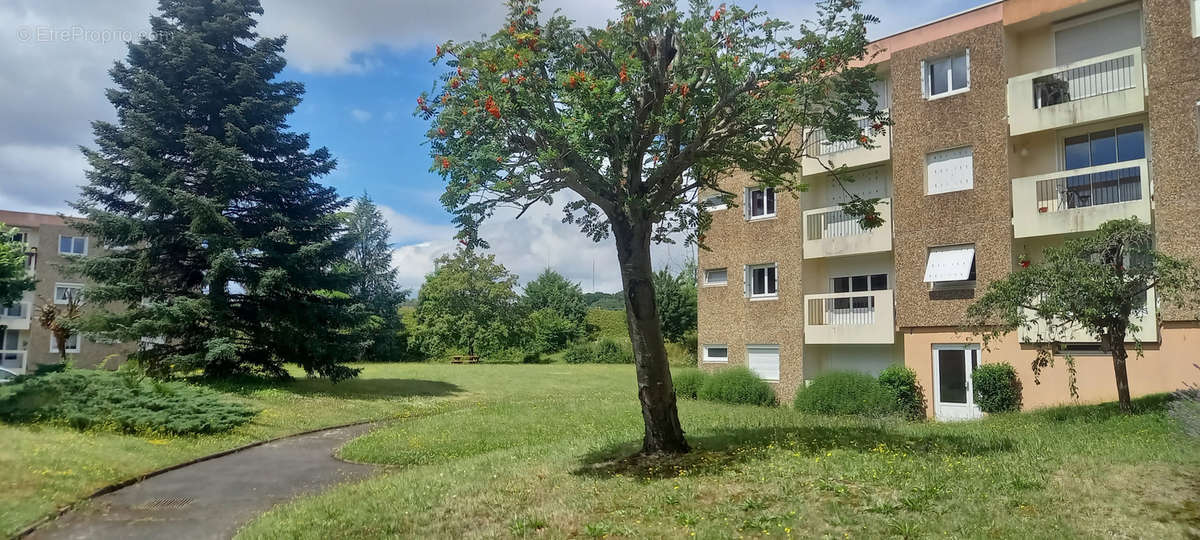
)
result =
(849, 318)
(829, 232)
(848, 153)
(1095, 89)
(1147, 328)
(13, 361)
(16, 316)
(1080, 200)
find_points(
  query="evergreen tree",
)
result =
(375, 286)
(228, 247)
(14, 278)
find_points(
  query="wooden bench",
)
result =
(464, 359)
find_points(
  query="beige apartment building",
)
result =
(24, 344)
(1017, 124)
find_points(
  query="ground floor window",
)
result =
(716, 353)
(763, 360)
(72, 344)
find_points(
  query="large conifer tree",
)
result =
(229, 247)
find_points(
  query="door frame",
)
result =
(970, 410)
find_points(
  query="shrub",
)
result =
(611, 352)
(579, 353)
(910, 398)
(550, 331)
(687, 382)
(997, 388)
(691, 342)
(102, 399)
(607, 323)
(846, 393)
(737, 385)
(513, 355)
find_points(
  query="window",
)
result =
(21, 238)
(716, 276)
(72, 245)
(947, 76)
(1104, 147)
(951, 267)
(13, 311)
(761, 281)
(763, 360)
(872, 282)
(714, 202)
(761, 203)
(950, 170)
(63, 292)
(72, 344)
(1196, 18)
(716, 353)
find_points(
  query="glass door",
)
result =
(952, 369)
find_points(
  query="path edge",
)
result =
(146, 475)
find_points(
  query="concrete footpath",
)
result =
(213, 499)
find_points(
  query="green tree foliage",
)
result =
(603, 300)
(996, 388)
(468, 303)
(383, 337)
(635, 118)
(229, 248)
(1096, 284)
(549, 331)
(675, 295)
(14, 278)
(557, 311)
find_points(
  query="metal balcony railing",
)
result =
(1094, 186)
(1072, 84)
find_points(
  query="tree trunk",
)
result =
(1119, 356)
(655, 390)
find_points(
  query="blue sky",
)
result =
(363, 63)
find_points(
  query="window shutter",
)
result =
(950, 170)
(968, 54)
(746, 203)
(949, 263)
(746, 280)
(924, 79)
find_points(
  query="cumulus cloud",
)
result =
(360, 115)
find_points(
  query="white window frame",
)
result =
(21, 237)
(927, 85)
(955, 285)
(73, 238)
(778, 360)
(749, 194)
(70, 350)
(1196, 18)
(709, 359)
(76, 286)
(6, 310)
(749, 279)
(928, 161)
(708, 281)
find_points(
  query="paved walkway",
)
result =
(214, 498)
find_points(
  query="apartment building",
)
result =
(1017, 125)
(24, 344)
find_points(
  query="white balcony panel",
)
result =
(18, 316)
(1080, 200)
(1147, 331)
(848, 153)
(13, 361)
(829, 232)
(866, 317)
(1099, 88)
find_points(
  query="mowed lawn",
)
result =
(544, 463)
(43, 468)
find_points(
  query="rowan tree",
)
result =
(636, 118)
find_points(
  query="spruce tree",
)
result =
(375, 284)
(228, 247)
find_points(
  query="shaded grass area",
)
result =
(555, 464)
(44, 467)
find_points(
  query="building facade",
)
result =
(1017, 125)
(24, 344)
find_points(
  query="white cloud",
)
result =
(360, 115)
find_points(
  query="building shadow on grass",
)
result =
(1151, 404)
(713, 453)
(362, 388)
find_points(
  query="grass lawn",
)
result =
(544, 462)
(45, 467)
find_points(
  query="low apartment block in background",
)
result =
(24, 344)
(1017, 125)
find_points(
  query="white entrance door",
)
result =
(952, 392)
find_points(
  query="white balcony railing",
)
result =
(830, 232)
(13, 361)
(1094, 89)
(1080, 200)
(848, 153)
(16, 316)
(857, 318)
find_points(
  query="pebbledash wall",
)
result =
(1004, 40)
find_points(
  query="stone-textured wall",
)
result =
(726, 317)
(1173, 69)
(981, 215)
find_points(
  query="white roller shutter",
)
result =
(950, 263)
(1074, 42)
(763, 360)
(950, 170)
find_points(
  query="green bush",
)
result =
(607, 323)
(910, 398)
(997, 388)
(688, 381)
(550, 331)
(737, 385)
(611, 352)
(94, 399)
(513, 355)
(846, 393)
(580, 353)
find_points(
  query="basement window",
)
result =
(716, 354)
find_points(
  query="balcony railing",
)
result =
(16, 316)
(1081, 199)
(13, 361)
(849, 153)
(858, 317)
(820, 146)
(830, 232)
(1094, 89)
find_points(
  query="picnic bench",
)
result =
(464, 359)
